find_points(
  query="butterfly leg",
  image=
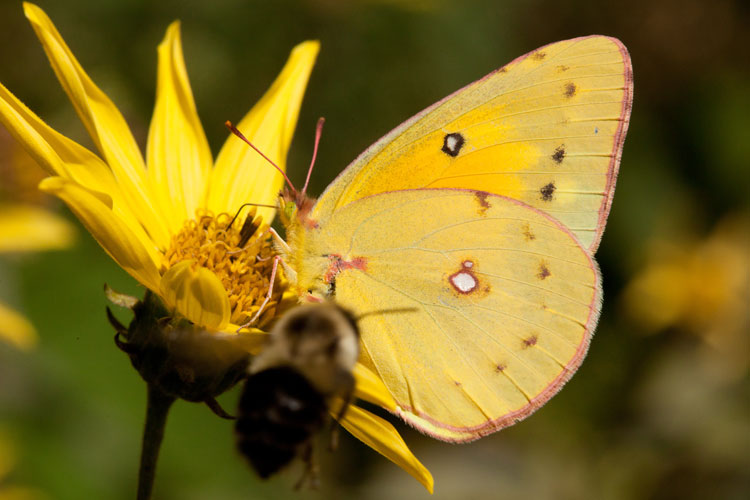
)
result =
(268, 295)
(285, 248)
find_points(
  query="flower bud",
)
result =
(176, 356)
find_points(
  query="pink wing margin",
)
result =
(619, 140)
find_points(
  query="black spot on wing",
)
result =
(531, 341)
(570, 90)
(527, 233)
(547, 191)
(544, 271)
(484, 204)
(452, 144)
(559, 154)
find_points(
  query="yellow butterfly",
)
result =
(474, 223)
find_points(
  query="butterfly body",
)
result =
(304, 252)
(476, 218)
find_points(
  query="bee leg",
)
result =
(310, 476)
(335, 431)
(335, 427)
(217, 409)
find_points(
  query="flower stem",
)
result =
(157, 410)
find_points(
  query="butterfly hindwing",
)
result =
(546, 129)
(477, 307)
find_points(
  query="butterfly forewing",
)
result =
(547, 129)
(492, 303)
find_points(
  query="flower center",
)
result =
(239, 253)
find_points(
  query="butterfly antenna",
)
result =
(318, 133)
(239, 210)
(236, 132)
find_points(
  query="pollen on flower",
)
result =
(239, 252)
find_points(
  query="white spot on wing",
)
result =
(465, 282)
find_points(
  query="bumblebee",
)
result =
(286, 401)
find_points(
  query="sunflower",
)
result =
(169, 220)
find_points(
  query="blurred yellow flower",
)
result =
(167, 220)
(24, 227)
(7, 462)
(702, 288)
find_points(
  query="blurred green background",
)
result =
(659, 409)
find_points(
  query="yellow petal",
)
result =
(16, 329)
(178, 155)
(94, 210)
(104, 123)
(63, 157)
(57, 154)
(197, 294)
(385, 439)
(25, 228)
(250, 340)
(241, 175)
(370, 388)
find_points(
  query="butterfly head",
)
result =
(295, 207)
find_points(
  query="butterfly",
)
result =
(475, 223)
